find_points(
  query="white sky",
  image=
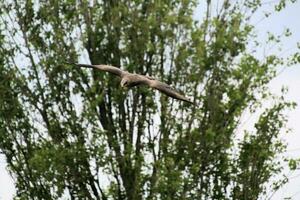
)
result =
(289, 18)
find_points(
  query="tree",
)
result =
(68, 132)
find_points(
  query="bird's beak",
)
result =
(122, 85)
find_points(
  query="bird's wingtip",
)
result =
(194, 103)
(190, 102)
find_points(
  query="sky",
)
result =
(290, 77)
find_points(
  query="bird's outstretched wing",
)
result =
(106, 68)
(137, 79)
(166, 89)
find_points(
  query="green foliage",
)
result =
(73, 133)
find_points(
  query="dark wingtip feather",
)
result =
(191, 102)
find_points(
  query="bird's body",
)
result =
(131, 80)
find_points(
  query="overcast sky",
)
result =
(290, 77)
(289, 18)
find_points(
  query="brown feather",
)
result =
(168, 90)
(131, 80)
(107, 68)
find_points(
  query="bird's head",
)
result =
(124, 83)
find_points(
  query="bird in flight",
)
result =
(129, 80)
